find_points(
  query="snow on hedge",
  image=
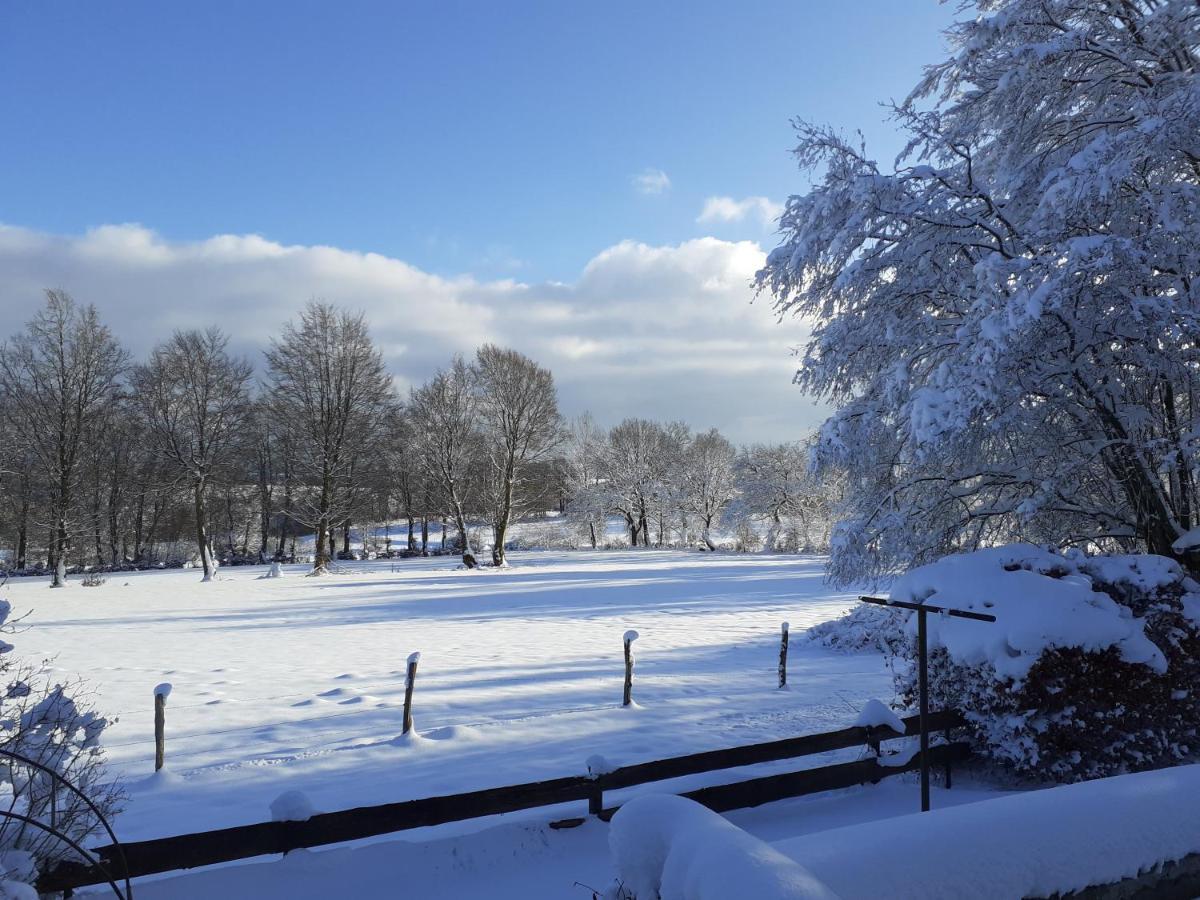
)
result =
(1033, 844)
(672, 848)
(1033, 612)
(1088, 670)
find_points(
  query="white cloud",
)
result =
(726, 209)
(651, 181)
(664, 332)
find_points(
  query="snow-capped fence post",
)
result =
(160, 724)
(410, 681)
(783, 645)
(630, 637)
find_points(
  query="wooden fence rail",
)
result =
(187, 851)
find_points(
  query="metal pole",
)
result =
(923, 669)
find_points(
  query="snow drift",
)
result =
(1034, 844)
(672, 848)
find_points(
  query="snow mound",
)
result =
(164, 689)
(1034, 844)
(877, 714)
(672, 848)
(598, 765)
(630, 636)
(291, 806)
(1041, 600)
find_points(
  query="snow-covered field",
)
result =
(297, 683)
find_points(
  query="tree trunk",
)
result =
(772, 534)
(324, 527)
(139, 522)
(58, 552)
(346, 538)
(424, 534)
(206, 560)
(23, 532)
(501, 526)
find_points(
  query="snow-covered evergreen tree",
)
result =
(1007, 319)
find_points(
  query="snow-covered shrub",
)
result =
(863, 628)
(746, 539)
(1091, 668)
(49, 724)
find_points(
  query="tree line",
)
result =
(189, 456)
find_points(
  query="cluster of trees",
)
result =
(107, 462)
(1008, 320)
(104, 461)
(673, 487)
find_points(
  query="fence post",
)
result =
(630, 637)
(410, 681)
(161, 692)
(783, 645)
(873, 742)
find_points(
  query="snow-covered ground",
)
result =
(297, 683)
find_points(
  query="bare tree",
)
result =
(518, 411)
(56, 378)
(330, 391)
(708, 480)
(443, 413)
(583, 475)
(194, 397)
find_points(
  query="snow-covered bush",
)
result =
(49, 724)
(1090, 669)
(863, 628)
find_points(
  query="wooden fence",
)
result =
(187, 851)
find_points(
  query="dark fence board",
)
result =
(186, 851)
(770, 751)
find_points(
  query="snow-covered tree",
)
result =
(708, 480)
(583, 475)
(777, 487)
(641, 465)
(443, 413)
(1007, 319)
(194, 396)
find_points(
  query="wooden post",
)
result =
(160, 724)
(630, 637)
(873, 742)
(410, 681)
(783, 645)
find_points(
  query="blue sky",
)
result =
(474, 142)
(457, 136)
